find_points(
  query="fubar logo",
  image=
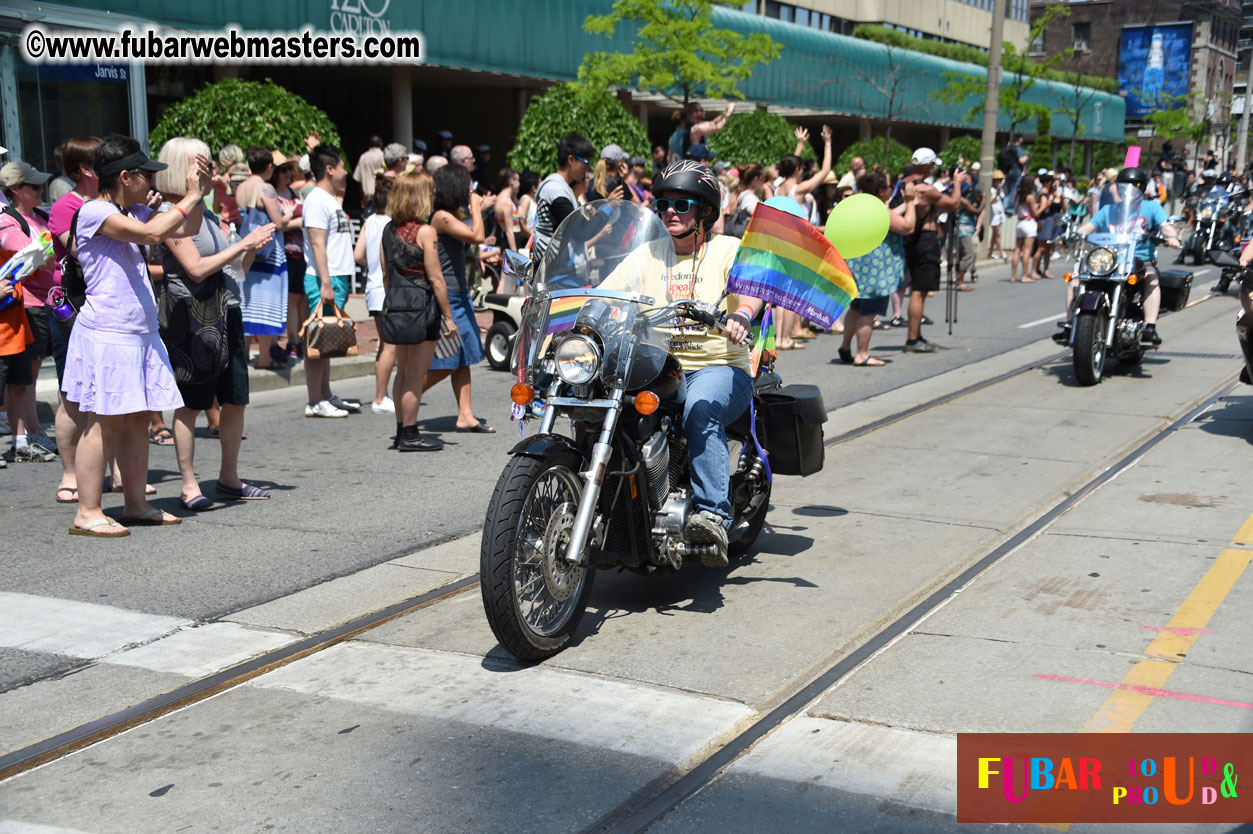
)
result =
(356, 17)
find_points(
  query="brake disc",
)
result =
(561, 576)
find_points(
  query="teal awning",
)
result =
(818, 71)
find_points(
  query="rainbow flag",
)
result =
(563, 313)
(785, 261)
(763, 342)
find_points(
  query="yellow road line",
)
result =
(1245, 534)
(1124, 707)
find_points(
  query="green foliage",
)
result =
(567, 108)
(245, 113)
(676, 51)
(1174, 119)
(966, 54)
(961, 147)
(871, 153)
(757, 136)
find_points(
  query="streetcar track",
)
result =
(100, 729)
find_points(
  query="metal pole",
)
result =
(992, 101)
(1244, 116)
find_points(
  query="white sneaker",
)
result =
(348, 406)
(385, 407)
(324, 409)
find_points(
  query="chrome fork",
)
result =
(594, 478)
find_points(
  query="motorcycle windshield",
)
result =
(604, 269)
(1124, 227)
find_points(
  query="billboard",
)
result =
(1154, 63)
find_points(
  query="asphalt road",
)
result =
(343, 501)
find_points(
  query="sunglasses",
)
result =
(579, 158)
(681, 206)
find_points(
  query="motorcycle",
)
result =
(1108, 304)
(1217, 218)
(1229, 266)
(613, 488)
(1243, 322)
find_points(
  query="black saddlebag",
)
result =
(793, 416)
(1176, 284)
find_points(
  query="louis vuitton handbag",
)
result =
(329, 336)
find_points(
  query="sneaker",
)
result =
(33, 453)
(705, 527)
(4, 426)
(899, 321)
(1148, 336)
(920, 345)
(347, 406)
(385, 407)
(324, 409)
(45, 444)
(926, 320)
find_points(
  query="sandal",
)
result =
(245, 492)
(871, 362)
(846, 355)
(152, 518)
(73, 499)
(477, 428)
(213, 431)
(149, 489)
(161, 437)
(89, 529)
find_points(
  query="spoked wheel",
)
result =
(533, 596)
(1090, 347)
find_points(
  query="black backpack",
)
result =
(72, 279)
(1007, 159)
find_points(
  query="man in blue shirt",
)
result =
(1150, 219)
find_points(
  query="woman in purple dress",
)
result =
(116, 368)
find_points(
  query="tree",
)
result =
(1074, 101)
(882, 92)
(568, 108)
(1020, 75)
(757, 136)
(245, 113)
(676, 51)
(961, 147)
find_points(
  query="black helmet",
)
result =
(694, 179)
(1135, 176)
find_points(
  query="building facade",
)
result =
(966, 22)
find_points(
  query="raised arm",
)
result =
(199, 267)
(816, 180)
(446, 224)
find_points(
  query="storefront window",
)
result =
(59, 102)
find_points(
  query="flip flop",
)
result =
(846, 355)
(161, 437)
(89, 529)
(199, 504)
(246, 492)
(965, 288)
(871, 362)
(151, 518)
(70, 490)
(477, 428)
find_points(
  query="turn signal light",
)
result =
(1131, 279)
(521, 393)
(646, 402)
(1067, 277)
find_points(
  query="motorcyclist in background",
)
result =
(1152, 219)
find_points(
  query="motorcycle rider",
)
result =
(717, 385)
(1152, 218)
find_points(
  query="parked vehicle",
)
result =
(611, 486)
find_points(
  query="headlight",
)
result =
(578, 360)
(1101, 261)
(1207, 213)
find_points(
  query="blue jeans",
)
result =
(712, 398)
(1012, 179)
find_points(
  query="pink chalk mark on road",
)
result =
(1148, 690)
(1181, 632)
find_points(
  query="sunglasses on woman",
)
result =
(681, 206)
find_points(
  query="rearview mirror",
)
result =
(1222, 258)
(516, 264)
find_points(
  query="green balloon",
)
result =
(857, 225)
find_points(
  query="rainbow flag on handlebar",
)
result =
(785, 261)
(563, 313)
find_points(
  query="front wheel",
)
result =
(1089, 345)
(532, 596)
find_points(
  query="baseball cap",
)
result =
(444, 134)
(638, 160)
(700, 151)
(613, 153)
(419, 146)
(975, 166)
(484, 149)
(16, 173)
(1044, 172)
(924, 156)
(719, 167)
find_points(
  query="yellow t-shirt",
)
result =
(701, 275)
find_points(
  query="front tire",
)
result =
(1090, 350)
(532, 596)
